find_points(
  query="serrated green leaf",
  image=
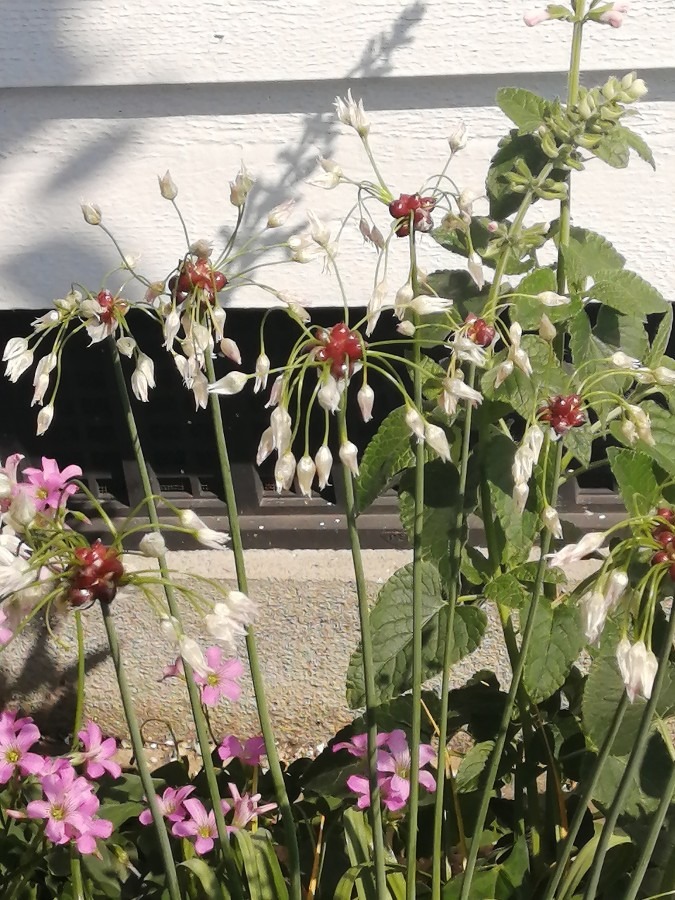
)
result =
(661, 340)
(622, 332)
(613, 149)
(579, 441)
(635, 476)
(525, 109)
(602, 694)
(391, 626)
(513, 147)
(588, 253)
(473, 766)
(506, 590)
(638, 144)
(557, 641)
(528, 310)
(387, 454)
(627, 292)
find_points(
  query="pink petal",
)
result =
(210, 695)
(31, 764)
(232, 668)
(231, 690)
(427, 780)
(214, 656)
(427, 754)
(203, 845)
(38, 809)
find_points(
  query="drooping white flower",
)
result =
(328, 395)
(520, 494)
(171, 328)
(454, 390)
(457, 138)
(404, 296)
(143, 377)
(45, 418)
(232, 383)
(223, 626)
(14, 347)
(638, 667)
(170, 627)
(623, 361)
(18, 364)
(436, 438)
(230, 349)
(527, 455)
(284, 471)
(215, 540)
(153, 545)
(324, 464)
(192, 654)
(319, 231)
(280, 214)
(547, 330)
(475, 267)
(467, 350)
(503, 371)
(572, 553)
(306, 470)
(265, 447)
(15, 570)
(276, 392)
(349, 457)
(302, 247)
(615, 587)
(331, 175)
(466, 200)
(642, 423)
(426, 306)
(366, 398)
(664, 376)
(126, 346)
(415, 423)
(375, 306)
(262, 371)
(350, 112)
(407, 329)
(551, 520)
(282, 425)
(594, 610)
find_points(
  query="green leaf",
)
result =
(584, 860)
(613, 148)
(525, 109)
(118, 813)
(647, 785)
(387, 454)
(588, 253)
(391, 625)
(602, 694)
(580, 442)
(638, 144)
(663, 432)
(528, 310)
(506, 590)
(261, 865)
(525, 393)
(206, 877)
(473, 766)
(359, 841)
(593, 354)
(636, 478)
(556, 643)
(627, 292)
(661, 340)
(626, 333)
(512, 148)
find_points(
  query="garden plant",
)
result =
(533, 357)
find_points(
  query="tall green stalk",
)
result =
(234, 882)
(416, 699)
(634, 762)
(375, 809)
(585, 798)
(280, 791)
(454, 555)
(81, 673)
(545, 544)
(137, 744)
(653, 836)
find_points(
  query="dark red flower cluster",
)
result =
(200, 274)
(563, 413)
(420, 207)
(479, 331)
(97, 575)
(664, 534)
(109, 305)
(342, 346)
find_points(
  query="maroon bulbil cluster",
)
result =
(420, 207)
(563, 413)
(200, 274)
(339, 344)
(108, 304)
(479, 331)
(98, 570)
(664, 534)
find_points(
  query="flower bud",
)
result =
(284, 471)
(638, 667)
(152, 544)
(503, 371)
(280, 214)
(92, 213)
(230, 349)
(520, 494)
(664, 376)
(415, 423)
(265, 447)
(407, 329)
(349, 457)
(404, 297)
(167, 186)
(551, 521)
(457, 138)
(536, 17)
(126, 346)
(366, 399)
(623, 361)
(475, 267)
(191, 652)
(324, 464)
(329, 395)
(206, 536)
(437, 440)
(44, 419)
(616, 587)
(240, 187)
(262, 370)
(550, 298)
(232, 383)
(306, 470)
(15, 346)
(319, 231)
(281, 424)
(572, 553)
(169, 625)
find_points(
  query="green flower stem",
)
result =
(172, 603)
(572, 97)
(81, 672)
(455, 551)
(252, 648)
(585, 798)
(368, 669)
(654, 832)
(142, 763)
(76, 875)
(634, 762)
(416, 704)
(545, 544)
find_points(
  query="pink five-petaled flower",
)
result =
(219, 680)
(250, 752)
(358, 745)
(49, 485)
(171, 805)
(245, 808)
(15, 743)
(200, 825)
(69, 808)
(98, 752)
(5, 633)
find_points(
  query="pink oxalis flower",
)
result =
(98, 753)
(171, 805)
(17, 736)
(245, 807)
(250, 752)
(219, 678)
(49, 485)
(200, 825)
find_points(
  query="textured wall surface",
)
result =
(98, 97)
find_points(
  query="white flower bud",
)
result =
(319, 231)
(92, 213)
(349, 457)
(616, 587)
(366, 399)
(407, 329)
(503, 371)
(328, 395)
(324, 464)
(191, 652)
(550, 298)
(593, 614)
(230, 349)
(167, 186)
(415, 423)
(638, 667)
(265, 447)
(572, 553)
(404, 297)
(547, 330)
(520, 494)
(623, 361)
(284, 471)
(206, 536)
(232, 383)
(629, 432)
(240, 187)
(281, 424)
(169, 625)
(306, 470)
(44, 419)
(426, 306)
(276, 392)
(457, 138)
(475, 266)
(17, 365)
(262, 370)
(280, 214)
(14, 347)
(551, 521)
(437, 440)
(152, 544)
(664, 376)
(126, 346)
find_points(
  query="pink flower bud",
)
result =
(536, 17)
(230, 349)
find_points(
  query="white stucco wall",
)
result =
(98, 96)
